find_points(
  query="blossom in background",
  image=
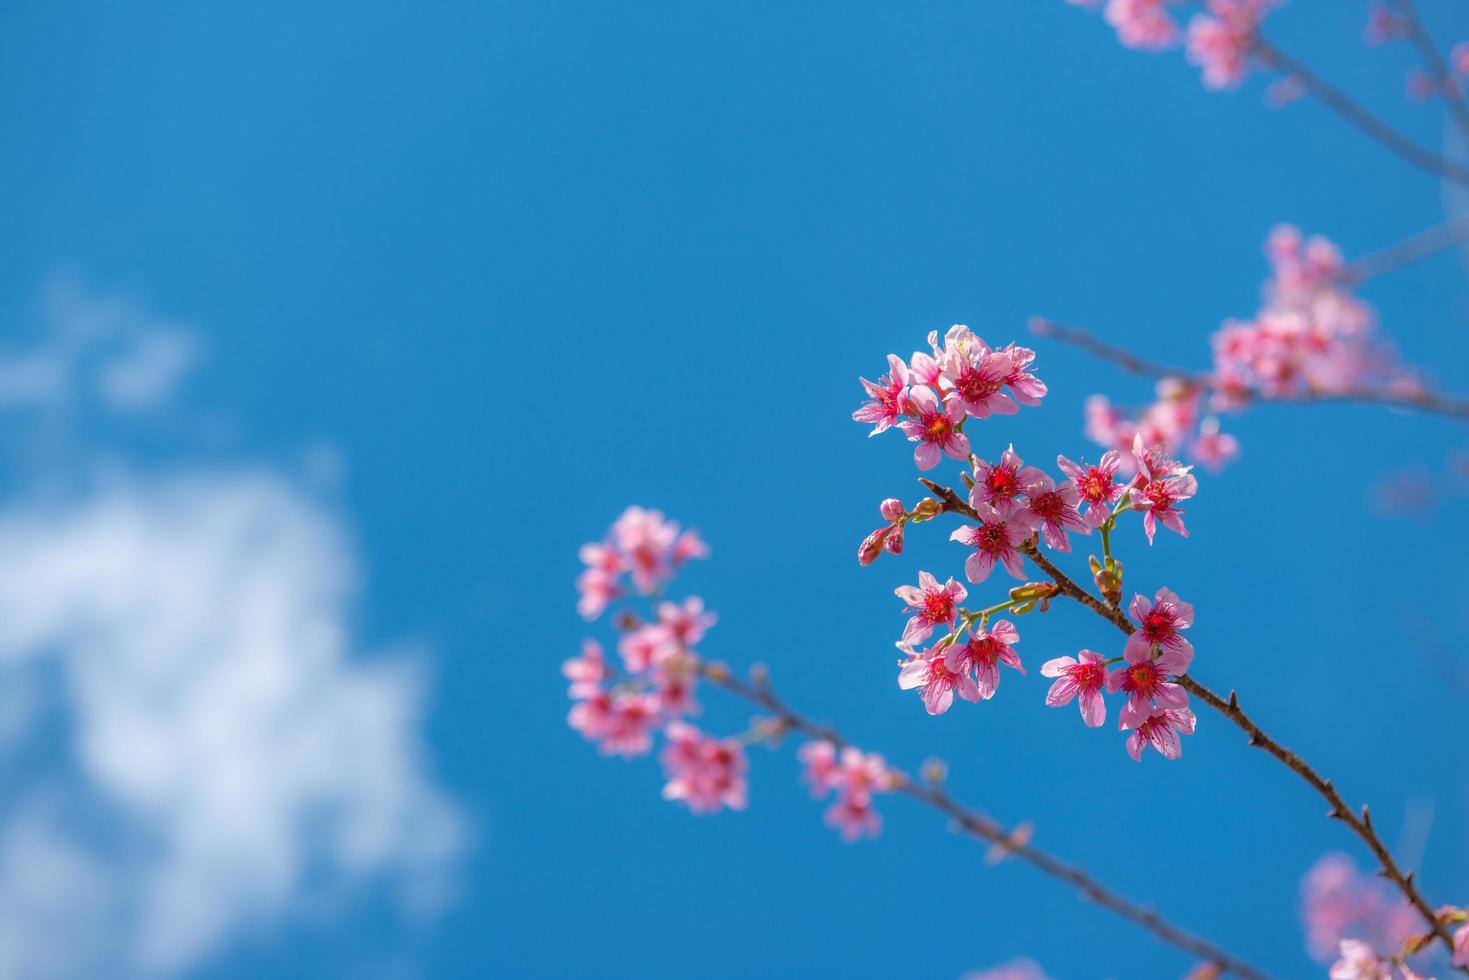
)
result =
(1083, 677)
(1340, 902)
(703, 773)
(641, 544)
(854, 777)
(1220, 40)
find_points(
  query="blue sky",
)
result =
(508, 267)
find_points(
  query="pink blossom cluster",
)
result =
(1220, 38)
(1310, 336)
(1339, 902)
(703, 773)
(641, 545)
(853, 778)
(930, 396)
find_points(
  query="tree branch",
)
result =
(759, 692)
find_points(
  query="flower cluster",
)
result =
(853, 777)
(1220, 39)
(1310, 337)
(641, 545)
(1339, 902)
(624, 709)
(930, 396)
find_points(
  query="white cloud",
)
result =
(96, 349)
(195, 751)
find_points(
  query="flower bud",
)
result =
(894, 542)
(891, 509)
(927, 509)
(934, 771)
(872, 545)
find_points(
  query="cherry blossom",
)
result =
(888, 394)
(1004, 480)
(705, 774)
(1159, 727)
(1161, 484)
(931, 604)
(1143, 678)
(935, 427)
(1338, 901)
(1082, 677)
(1220, 40)
(984, 651)
(1053, 509)
(1160, 623)
(1359, 961)
(997, 538)
(937, 683)
(1096, 486)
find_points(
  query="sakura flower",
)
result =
(675, 675)
(938, 684)
(1002, 530)
(1143, 679)
(1054, 510)
(1004, 480)
(978, 380)
(1339, 901)
(630, 726)
(687, 623)
(1220, 41)
(640, 647)
(862, 772)
(592, 716)
(586, 672)
(935, 428)
(983, 653)
(1162, 485)
(1384, 25)
(1461, 945)
(854, 817)
(1459, 58)
(1141, 24)
(1025, 387)
(820, 762)
(888, 394)
(1214, 448)
(1095, 485)
(1160, 728)
(931, 604)
(646, 541)
(596, 589)
(703, 773)
(1359, 961)
(689, 545)
(877, 542)
(1083, 677)
(1160, 623)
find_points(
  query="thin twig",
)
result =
(760, 693)
(1438, 71)
(1360, 825)
(1406, 252)
(1352, 112)
(1423, 401)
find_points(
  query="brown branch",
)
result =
(1344, 106)
(1420, 401)
(934, 796)
(1360, 825)
(1439, 71)
(1407, 251)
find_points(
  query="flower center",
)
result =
(1048, 505)
(1001, 482)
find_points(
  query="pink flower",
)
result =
(935, 428)
(1054, 510)
(629, 729)
(689, 545)
(854, 817)
(983, 653)
(586, 672)
(640, 647)
(888, 394)
(1026, 388)
(1384, 25)
(978, 378)
(1338, 901)
(862, 772)
(997, 538)
(1096, 486)
(1160, 623)
(687, 623)
(929, 672)
(820, 762)
(1359, 961)
(1002, 481)
(1461, 945)
(703, 773)
(592, 716)
(1214, 448)
(931, 605)
(1162, 484)
(1459, 58)
(1220, 41)
(1079, 678)
(1160, 728)
(1144, 680)
(1141, 23)
(596, 588)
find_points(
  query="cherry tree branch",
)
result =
(1008, 841)
(1406, 252)
(1423, 401)
(1344, 106)
(1229, 708)
(1443, 81)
